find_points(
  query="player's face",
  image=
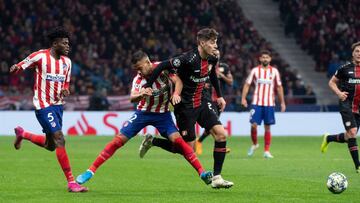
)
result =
(209, 46)
(356, 55)
(62, 46)
(144, 66)
(265, 59)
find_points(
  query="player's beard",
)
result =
(264, 64)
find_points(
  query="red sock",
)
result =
(64, 163)
(254, 136)
(267, 138)
(106, 153)
(36, 139)
(189, 154)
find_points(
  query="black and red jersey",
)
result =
(349, 81)
(194, 73)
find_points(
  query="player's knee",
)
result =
(220, 136)
(352, 132)
(119, 140)
(50, 147)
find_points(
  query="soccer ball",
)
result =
(337, 183)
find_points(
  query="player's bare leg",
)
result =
(219, 154)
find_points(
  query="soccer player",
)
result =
(152, 109)
(346, 85)
(53, 71)
(226, 78)
(266, 78)
(194, 68)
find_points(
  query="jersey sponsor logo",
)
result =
(354, 81)
(176, 62)
(264, 81)
(55, 77)
(197, 80)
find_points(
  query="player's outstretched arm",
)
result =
(175, 98)
(15, 68)
(164, 65)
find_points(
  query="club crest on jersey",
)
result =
(176, 62)
(64, 66)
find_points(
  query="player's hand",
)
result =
(14, 68)
(283, 107)
(343, 95)
(146, 91)
(244, 102)
(64, 93)
(175, 99)
(222, 103)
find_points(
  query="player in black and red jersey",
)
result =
(195, 68)
(346, 85)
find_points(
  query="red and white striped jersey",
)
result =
(265, 79)
(159, 101)
(52, 76)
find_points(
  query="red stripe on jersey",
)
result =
(356, 101)
(263, 87)
(258, 89)
(39, 79)
(161, 97)
(198, 92)
(268, 86)
(151, 103)
(65, 85)
(48, 70)
(142, 101)
(56, 84)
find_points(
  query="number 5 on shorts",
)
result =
(50, 117)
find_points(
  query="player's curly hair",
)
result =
(56, 33)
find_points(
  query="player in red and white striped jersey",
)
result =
(53, 69)
(266, 78)
(159, 101)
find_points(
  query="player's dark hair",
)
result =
(137, 56)
(265, 52)
(353, 46)
(206, 34)
(56, 33)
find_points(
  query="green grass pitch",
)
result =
(297, 173)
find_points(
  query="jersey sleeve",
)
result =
(136, 84)
(277, 78)
(179, 61)
(30, 61)
(250, 77)
(68, 76)
(340, 73)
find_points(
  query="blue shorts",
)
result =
(260, 113)
(161, 121)
(50, 118)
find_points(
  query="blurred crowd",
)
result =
(106, 33)
(325, 29)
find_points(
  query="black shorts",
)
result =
(186, 119)
(350, 119)
(215, 107)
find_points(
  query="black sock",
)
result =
(165, 144)
(353, 148)
(219, 156)
(336, 138)
(204, 135)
